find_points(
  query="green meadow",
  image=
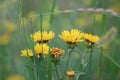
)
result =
(59, 39)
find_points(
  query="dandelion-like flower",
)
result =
(72, 37)
(70, 73)
(56, 52)
(91, 39)
(41, 49)
(27, 52)
(42, 37)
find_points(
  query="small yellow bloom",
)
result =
(56, 52)
(27, 52)
(70, 73)
(4, 39)
(46, 36)
(91, 38)
(72, 37)
(9, 25)
(15, 77)
(41, 49)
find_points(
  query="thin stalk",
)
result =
(49, 66)
(69, 54)
(41, 16)
(42, 75)
(4, 62)
(90, 62)
(52, 11)
(103, 31)
(90, 59)
(56, 69)
(41, 21)
(112, 60)
(95, 4)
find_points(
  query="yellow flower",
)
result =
(46, 36)
(72, 37)
(4, 39)
(70, 73)
(41, 49)
(27, 52)
(15, 77)
(91, 38)
(9, 25)
(56, 52)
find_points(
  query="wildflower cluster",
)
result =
(72, 38)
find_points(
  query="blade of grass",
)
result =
(95, 4)
(112, 60)
(102, 32)
(52, 11)
(49, 66)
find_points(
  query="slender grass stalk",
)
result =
(52, 11)
(103, 32)
(95, 4)
(90, 62)
(27, 40)
(41, 16)
(67, 63)
(56, 69)
(4, 63)
(49, 66)
(112, 60)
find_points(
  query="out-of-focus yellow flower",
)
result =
(72, 37)
(46, 25)
(46, 36)
(15, 77)
(80, 22)
(46, 22)
(116, 8)
(32, 15)
(98, 17)
(27, 52)
(70, 73)
(13, 1)
(4, 39)
(91, 38)
(56, 52)
(41, 49)
(9, 25)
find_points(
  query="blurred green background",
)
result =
(12, 38)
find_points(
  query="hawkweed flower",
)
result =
(27, 52)
(70, 73)
(91, 39)
(56, 53)
(41, 49)
(45, 38)
(72, 37)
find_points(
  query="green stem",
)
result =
(4, 62)
(52, 11)
(41, 17)
(41, 21)
(49, 66)
(69, 54)
(56, 69)
(112, 60)
(90, 62)
(95, 4)
(103, 31)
